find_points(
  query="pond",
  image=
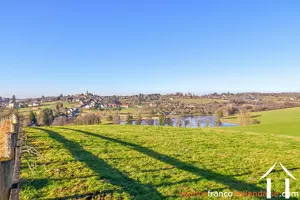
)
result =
(188, 121)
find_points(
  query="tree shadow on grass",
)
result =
(105, 171)
(228, 180)
(89, 196)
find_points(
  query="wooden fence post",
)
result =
(7, 164)
(6, 178)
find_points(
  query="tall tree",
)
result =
(207, 121)
(32, 118)
(129, 119)
(139, 119)
(47, 116)
(169, 121)
(217, 118)
(162, 119)
(179, 122)
(187, 122)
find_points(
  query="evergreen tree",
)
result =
(32, 118)
(47, 116)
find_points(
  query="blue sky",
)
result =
(127, 47)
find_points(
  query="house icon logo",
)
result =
(269, 182)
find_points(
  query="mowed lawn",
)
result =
(143, 162)
(284, 121)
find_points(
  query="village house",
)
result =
(73, 112)
(13, 105)
(34, 104)
(126, 105)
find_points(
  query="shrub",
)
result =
(255, 121)
(88, 119)
(60, 121)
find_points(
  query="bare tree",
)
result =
(179, 122)
(117, 119)
(187, 122)
(139, 119)
(88, 119)
(169, 121)
(217, 118)
(207, 121)
(244, 117)
(199, 123)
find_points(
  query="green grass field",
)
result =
(284, 122)
(25, 111)
(143, 162)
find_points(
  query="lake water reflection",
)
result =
(188, 121)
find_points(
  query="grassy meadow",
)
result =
(144, 162)
(52, 105)
(284, 122)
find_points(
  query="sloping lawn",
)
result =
(284, 122)
(141, 162)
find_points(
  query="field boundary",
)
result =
(9, 157)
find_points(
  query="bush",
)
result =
(60, 121)
(255, 121)
(88, 119)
